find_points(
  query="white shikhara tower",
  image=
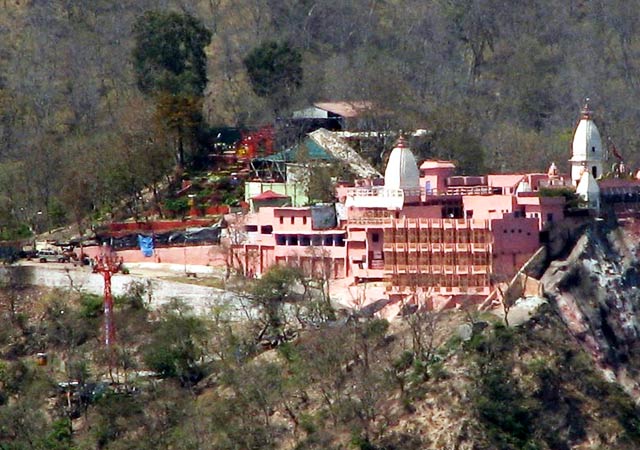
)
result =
(588, 154)
(402, 170)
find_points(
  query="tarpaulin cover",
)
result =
(209, 235)
(323, 217)
(146, 245)
(189, 236)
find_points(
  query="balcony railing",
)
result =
(480, 248)
(381, 191)
(364, 220)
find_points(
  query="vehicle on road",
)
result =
(51, 256)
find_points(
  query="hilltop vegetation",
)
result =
(498, 84)
(361, 384)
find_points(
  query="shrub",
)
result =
(91, 306)
(572, 200)
(176, 206)
(307, 423)
(176, 348)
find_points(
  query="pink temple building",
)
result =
(420, 231)
(424, 231)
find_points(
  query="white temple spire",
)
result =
(588, 153)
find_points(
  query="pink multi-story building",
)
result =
(419, 231)
(423, 231)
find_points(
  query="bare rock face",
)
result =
(596, 293)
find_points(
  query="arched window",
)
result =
(594, 171)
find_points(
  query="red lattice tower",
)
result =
(107, 266)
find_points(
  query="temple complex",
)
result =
(423, 231)
(420, 232)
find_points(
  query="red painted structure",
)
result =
(256, 143)
(107, 266)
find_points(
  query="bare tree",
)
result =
(232, 247)
(423, 325)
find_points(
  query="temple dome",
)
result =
(523, 187)
(587, 144)
(402, 170)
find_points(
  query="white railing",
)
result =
(381, 191)
(376, 191)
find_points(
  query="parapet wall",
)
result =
(201, 255)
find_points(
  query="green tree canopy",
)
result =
(169, 53)
(177, 345)
(171, 65)
(275, 72)
(273, 290)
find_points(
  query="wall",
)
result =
(437, 177)
(289, 220)
(515, 240)
(488, 206)
(448, 257)
(202, 255)
(160, 225)
(256, 259)
(423, 211)
(541, 207)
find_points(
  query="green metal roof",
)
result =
(314, 150)
(308, 147)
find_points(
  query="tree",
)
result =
(275, 72)
(231, 247)
(453, 137)
(319, 184)
(181, 116)
(271, 292)
(171, 66)
(423, 324)
(145, 143)
(78, 195)
(471, 21)
(169, 54)
(177, 345)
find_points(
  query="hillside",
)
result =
(565, 379)
(116, 110)
(498, 85)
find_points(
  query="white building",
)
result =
(588, 154)
(401, 183)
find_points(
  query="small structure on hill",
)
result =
(334, 116)
(285, 173)
(268, 199)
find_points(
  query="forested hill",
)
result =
(499, 83)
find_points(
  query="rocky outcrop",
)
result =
(595, 292)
